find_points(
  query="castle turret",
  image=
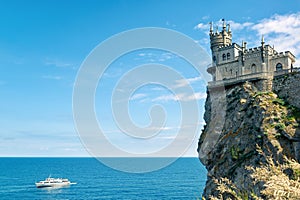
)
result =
(219, 39)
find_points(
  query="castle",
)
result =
(232, 63)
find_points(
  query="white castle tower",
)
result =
(232, 63)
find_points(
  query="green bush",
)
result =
(279, 101)
(280, 126)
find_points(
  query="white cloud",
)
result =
(168, 97)
(239, 26)
(165, 128)
(166, 56)
(198, 96)
(202, 26)
(158, 88)
(205, 17)
(137, 96)
(155, 57)
(52, 77)
(281, 30)
(57, 63)
(184, 82)
(170, 24)
(233, 25)
(142, 54)
(180, 97)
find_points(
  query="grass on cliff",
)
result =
(281, 181)
(281, 118)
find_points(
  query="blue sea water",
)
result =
(184, 179)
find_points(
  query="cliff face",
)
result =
(251, 142)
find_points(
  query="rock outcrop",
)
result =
(250, 144)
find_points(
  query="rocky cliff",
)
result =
(250, 144)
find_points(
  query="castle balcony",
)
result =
(251, 77)
(211, 69)
(240, 79)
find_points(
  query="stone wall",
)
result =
(287, 87)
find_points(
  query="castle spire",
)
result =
(229, 30)
(262, 40)
(262, 49)
(224, 24)
(211, 28)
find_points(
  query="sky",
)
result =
(44, 43)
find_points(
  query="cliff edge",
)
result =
(250, 144)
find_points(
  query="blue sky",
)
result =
(43, 43)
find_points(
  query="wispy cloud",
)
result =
(180, 97)
(114, 72)
(238, 26)
(168, 23)
(164, 128)
(52, 77)
(185, 82)
(233, 25)
(202, 26)
(155, 57)
(58, 63)
(138, 96)
(158, 89)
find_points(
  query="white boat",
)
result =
(53, 182)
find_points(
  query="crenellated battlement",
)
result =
(227, 46)
(253, 50)
(283, 54)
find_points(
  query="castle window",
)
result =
(214, 59)
(228, 56)
(253, 68)
(278, 67)
(224, 56)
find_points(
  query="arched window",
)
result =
(253, 68)
(224, 56)
(228, 56)
(278, 67)
(214, 59)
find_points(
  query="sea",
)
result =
(183, 179)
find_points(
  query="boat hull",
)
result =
(44, 185)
